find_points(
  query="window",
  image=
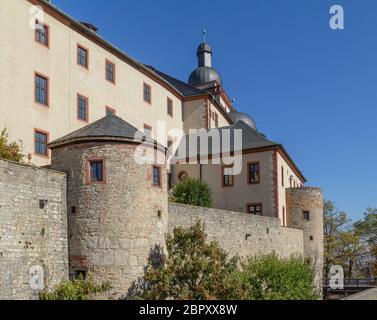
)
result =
(147, 93)
(82, 56)
(41, 89)
(42, 33)
(183, 175)
(216, 120)
(255, 209)
(82, 108)
(228, 178)
(170, 107)
(96, 173)
(110, 111)
(110, 71)
(254, 172)
(156, 176)
(147, 131)
(40, 142)
(306, 215)
(282, 176)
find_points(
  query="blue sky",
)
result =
(307, 86)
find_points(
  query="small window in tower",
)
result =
(96, 171)
(42, 204)
(306, 215)
(156, 176)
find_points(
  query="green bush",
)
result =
(9, 151)
(192, 192)
(271, 278)
(193, 269)
(75, 290)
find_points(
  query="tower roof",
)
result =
(109, 128)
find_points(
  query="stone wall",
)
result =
(113, 226)
(30, 235)
(240, 233)
(311, 200)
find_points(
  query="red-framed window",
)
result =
(227, 176)
(96, 171)
(253, 172)
(110, 71)
(41, 89)
(42, 33)
(82, 108)
(255, 209)
(170, 107)
(156, 176)
(147, 93)
(82, 56)
(41, 140)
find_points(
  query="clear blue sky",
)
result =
(309, 87)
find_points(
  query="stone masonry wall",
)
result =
(114, 225)
(240, 233)
(30, 235)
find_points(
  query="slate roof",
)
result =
(251, 139)
(184, 88)
(110, 126)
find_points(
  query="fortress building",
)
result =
(81, 109)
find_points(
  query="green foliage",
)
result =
(193, 192)
(75, 290)
(195, 269)
(192, 270)
(9, 151)
(270, 278)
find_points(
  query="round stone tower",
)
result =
(118, 210)
(305, 211)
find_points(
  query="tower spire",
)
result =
(204, 33)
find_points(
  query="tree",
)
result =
(193, 269)
(9, 151)
(343, 242)
(79, 289)
(367, 229)
(271, 278)
(193, 192)
(334, 224)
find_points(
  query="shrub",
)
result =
(192, 270)
(75, 290)
(9, 151)
(271, 278)
(193, 192)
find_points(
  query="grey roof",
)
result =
(251, 139)
(204, 47)
(204, 75)
(184, 88)
(240, 116)
(109, 127)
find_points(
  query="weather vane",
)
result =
(204, 32)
